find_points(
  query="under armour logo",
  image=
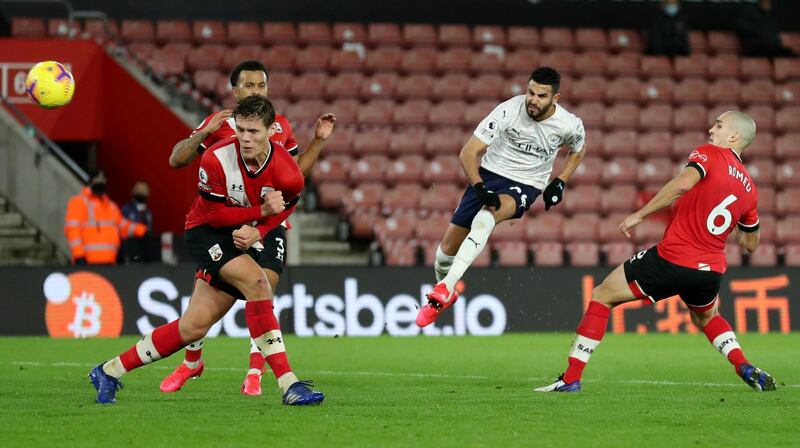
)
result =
(150, 355)
(273, 341)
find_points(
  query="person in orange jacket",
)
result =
(94, 225)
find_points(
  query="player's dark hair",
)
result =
(250, 66)
(547, 76)
(256, 106)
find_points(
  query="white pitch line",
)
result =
(406, 374)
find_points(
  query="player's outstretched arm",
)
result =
(186, 150)
(322, 132)
(469, 158)
(665, 197)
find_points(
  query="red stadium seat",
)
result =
(582, 198)
(622, 40)
(618, 198)
(691, 90)
(413, 112)
(788, 230)
(98, 29)
(476, 112)
(208, 32)
(206, 57)
(372, 141)
(762, 172)
(385, 59)
(792, 255)
(400, 253)
(377, 112)
(691, 117)
(419, 34)
(448, 113)
(788, 146)
(167, 62)
(655, 172)
(244, 33)
(407, 168)
(142, 50)
(306, 111)
(620, 144)
(724, 90)
(380, 85)
(511, 230)
(649, 230)
(624, 88)
(592, 63)
(558, 38)
(590, 88)
(522, 62)
(331, 194)
(788, 173)
(620, 170)
(786, 68)
(370, 168)
(280, 57)
(486, 62)
(618, 253)
(656, 117)
(341, 141)
(309, 33)
(723, 65)
(454, 35)
(61, 28)
(344, 85)
(517, 86)
(656, 66)
(414, 86)
(454, 60)
(755, 68)
(608, 229)
(581, 227)
(657, 89)
(733, 255)
(544, 227)
(589, 172)
(173, 31)
(313, 58)
(624, 64)
(788, 202)
(349, 32)
(788, 119)
(384, 34)
(403, 196)
(583, 254)
(485, 86)
(365, 196)
(419, 60)
(592, 114)
(446, 141)
(523, 37)
(767, 202)
(345, 60)
(764, 255)
(655, 143)
(511, 253)
(432, 228)
(451, 86)
(334, 168)
(308, 85)
(135, 31)
(442, 169)
(232, 57)
(548, 254)
(698, 42)
(362, 224)
(441, 197)
(764, 116)
(561, 60)
(622, 116)
(409, 140)
(488, 35)
(206, 80)
(723, 42)
(788, 93)
(588, 39)
(693, 65)
(281, 33)
(32, 28)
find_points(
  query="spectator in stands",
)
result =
(668, 35)
(137, 249)
(94, 225)
(759, 32)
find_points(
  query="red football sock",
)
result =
(266, 332)
(257, 361)
(721, 336)
(589, 334)
(162, 342)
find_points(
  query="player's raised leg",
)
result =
(244, 274)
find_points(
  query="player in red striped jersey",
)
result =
(247, 184)
(247, 78)
(714, 197)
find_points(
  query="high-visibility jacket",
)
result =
(94, 227)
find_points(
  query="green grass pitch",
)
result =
(639, 390)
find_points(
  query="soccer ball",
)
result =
(50, 85)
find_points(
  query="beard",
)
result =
(539, 112)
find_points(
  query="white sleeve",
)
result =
(576, 139)
(490, 127)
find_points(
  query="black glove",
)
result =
(487, 197)
(554, 193)
(80, 261)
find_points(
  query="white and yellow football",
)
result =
(50, 85)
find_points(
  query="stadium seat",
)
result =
(333, 168)
(432, 228)
(765, 255)
(379, 34)
(451, 86)
(544, 227)
(205, 57)
(331, 194)
(511, 253)
(694, 65)
(274, 33)
(589, 88)
(379, 85)
(624, 88)
(487, 62)
(691, 117)
(548, 254)
(206, 80)
(372, 141)
(764, 116)
(417, 86)
(280, 57)
(788, 202)
(311, 33)
(618, 198)
(488, 86)
(516, 86)
(582, 198)
(208, 32)
(511, 230)
(656, 117)
(750, 68)
(341, 141)
(308, 85)
(592, 114)
(649, 230)
(655, 172)
(583, 254)
(762, 172)
(454, 60)
(135, 31)
(173, 31)
(30, 28)
(518, 63)
(620, 143)
(620, 170)
(348, 33)
(446, 141)
(362, 224)
(61, 28)
(656, 66)
(691, 90)
(142, 50)
(410, 140)
(788, 119)
(788, 230)
(344, 85)
(558, 38)
(413, 112)
(788, 146)
(608, 228)
(477, 111)
(442, 169)
(232, 57)
(279, 83)
(306, 111)
(488, 35)
(523, 37)
(454, 35)
(723, 65)
(407, 168)
(792, 255)
(592, 63)
(624, 64)
(767, 201)
(788, 93)
(403, 197)
(618, 253)
(589, 39)
(419, 60)
(345, 60)
(589, 172)
(724, 90)
(244, 33)
(561, 60)
(383, 59)
(419, 34)
(447, 113)
(624, 40)
(313, 58)
(733, 255)
(657, 89)
(581, 227)
(370, 168)
(99, 29)
(400, 253)
(442, 197)
(622, 116)
(655, 143)
(723, 42)
(698, 42)
(786, 68)
(166, 62)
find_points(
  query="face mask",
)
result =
(671, 10)
(99, 188)
(140, 198)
